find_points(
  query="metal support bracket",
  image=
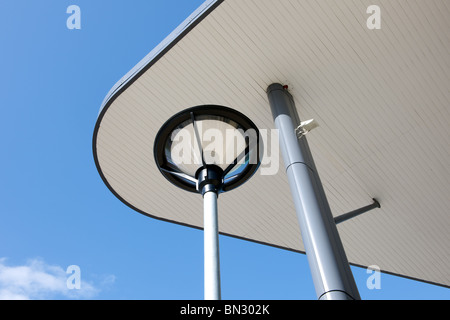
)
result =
(357, 212)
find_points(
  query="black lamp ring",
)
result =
(195, 183)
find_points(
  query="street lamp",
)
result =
(208, 150)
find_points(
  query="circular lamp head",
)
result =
(207, 145)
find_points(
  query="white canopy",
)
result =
(381, 98)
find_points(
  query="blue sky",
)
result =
(55, 210)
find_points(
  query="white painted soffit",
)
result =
(381, 98)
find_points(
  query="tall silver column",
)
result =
(211, 247)
(329, 266)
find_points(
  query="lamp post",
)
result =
(208, 150)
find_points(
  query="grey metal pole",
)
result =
(211, 247)
(331, 273)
